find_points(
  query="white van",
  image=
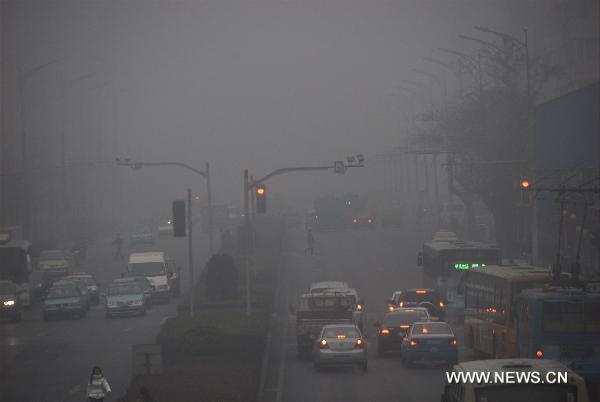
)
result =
(153, 266)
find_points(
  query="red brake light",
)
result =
(391, 308)
(323, 344)
(441, 304)
(539, 354)
(360, 344)
(413, 343)
(453, 342)
(384, 331)
(420, 292)
(401, 304)
(404, 326)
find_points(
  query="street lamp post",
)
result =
(249, 185)
(203, 173)
(23, 76)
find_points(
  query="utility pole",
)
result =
(190, 253)
(247, 242)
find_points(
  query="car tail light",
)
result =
(359, 307)
(384, 331)
(539, 354)
(360, 344)
(355, 220)
(323, 344)
(421, 292)
(391, 308)
(441, 304)
(401, 304)
(404, 326)
(413, 343)
(453, 342)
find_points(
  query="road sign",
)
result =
(339, 167)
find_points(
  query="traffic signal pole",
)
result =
(205, 174)
(247, 242)
(190, 252)
(249, 185)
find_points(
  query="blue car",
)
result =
(429, 341)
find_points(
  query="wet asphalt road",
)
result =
(375, 262)
(51, 361)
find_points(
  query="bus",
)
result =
(489, 294)
(445, 259)
(15, 266)
(561, 323)
(551, 388)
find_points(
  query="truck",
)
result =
(319, 309)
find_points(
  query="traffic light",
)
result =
(261, 199)
(179, 218)
(525, 185)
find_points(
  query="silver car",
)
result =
(340, 345)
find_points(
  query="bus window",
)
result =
(591, 314)
(527, 392)
(562, 317)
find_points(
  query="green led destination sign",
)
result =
(467, 265)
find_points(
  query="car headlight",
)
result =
(9, 302)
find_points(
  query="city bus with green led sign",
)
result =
(468, 265)
(445, 259)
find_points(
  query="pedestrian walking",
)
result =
(97, 387)
(310, 240)
(119, 247)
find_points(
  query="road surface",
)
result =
(376, 263)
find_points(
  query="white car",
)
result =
(340, 345)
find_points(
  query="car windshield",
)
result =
(341, 332)
(7, 288)
(63, 291)
(402, 318)
(147, 268)
(432, 329)
(52, 255)
(124, 289)
(420, 296)
(527, 392)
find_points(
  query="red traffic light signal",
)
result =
(261, 199)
